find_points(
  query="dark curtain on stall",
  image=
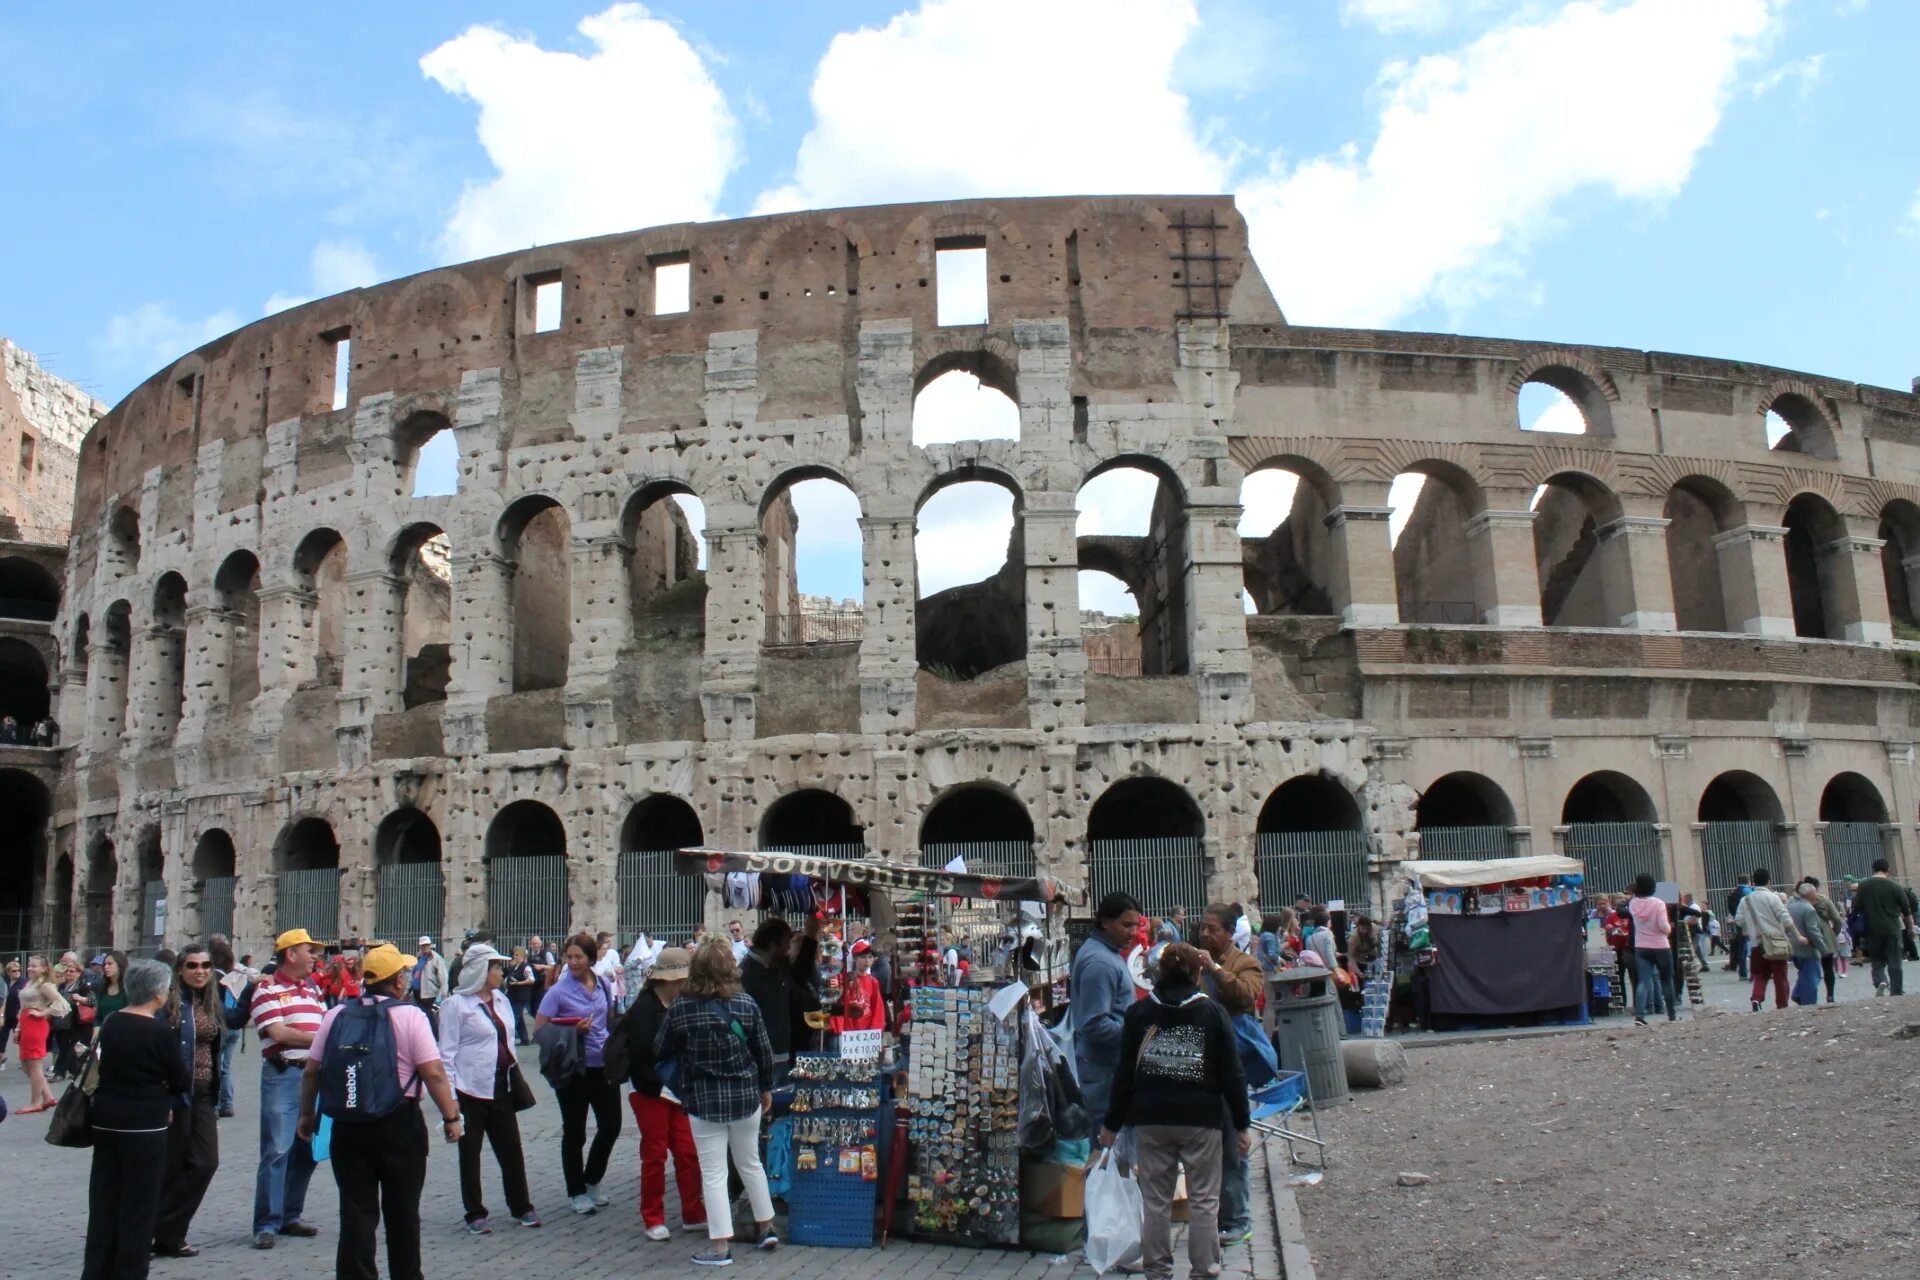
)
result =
(1514, 963)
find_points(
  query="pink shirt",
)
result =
(412, 1038)
(1652, 931)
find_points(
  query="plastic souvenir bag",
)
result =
(1050, 1103)
(1113, 1218)
(322, 1144)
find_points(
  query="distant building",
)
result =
(42, 421)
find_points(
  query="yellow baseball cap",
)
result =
(293, 938)
(383, 962)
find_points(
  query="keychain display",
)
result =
(813, 1068)
(838, 1108)
(963, 1090)
(805, 1100)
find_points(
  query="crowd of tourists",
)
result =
(16, 733)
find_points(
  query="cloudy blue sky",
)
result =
(1724, 177)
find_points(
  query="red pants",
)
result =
(663, 1127)
(1763, 969)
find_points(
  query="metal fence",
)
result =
(1466, 842)
(15, 932)
(216, 905)
(984, 857)
(308, 900)
(1160, 874)
(1851, 848)
(527, 896)
(655, 899)
(1615, 852)
(410, 902)
(1733, 849)
(1327, 866)
(826, 626)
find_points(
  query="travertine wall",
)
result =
(1129, 331)
(42, 419)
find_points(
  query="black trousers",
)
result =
(193, 1157)
(380, 1167)
(491, 1120)
(123, 1200)
(588, 1091)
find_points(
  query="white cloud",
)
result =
(334, 266)
(890, 106)
(1395, 16)
(1913, 214)
(961, 535)
(152, 336)
(1266, 500)
(1803, 74)
(634, 133)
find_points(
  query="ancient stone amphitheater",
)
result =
(298, 694)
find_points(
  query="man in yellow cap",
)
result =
(286, 1012)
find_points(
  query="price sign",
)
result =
(860, 1044)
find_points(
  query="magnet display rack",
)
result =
(963, 1078)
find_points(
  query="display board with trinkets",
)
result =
(963, 1092)
(841, 1115)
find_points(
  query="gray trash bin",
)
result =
(1306, 1034)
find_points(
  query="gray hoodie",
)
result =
(1102, 993)
(1806, 918)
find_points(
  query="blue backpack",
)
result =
(360, 1070)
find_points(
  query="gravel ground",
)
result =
(1730, 1144)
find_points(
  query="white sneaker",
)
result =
(595, 1194)
(659, 1232)
(581, 1204)
(1880, 989)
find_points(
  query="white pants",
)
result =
(742, 1138)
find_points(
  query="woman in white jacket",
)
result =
(477, 1048)
(1763, 917)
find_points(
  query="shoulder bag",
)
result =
(72, 1123)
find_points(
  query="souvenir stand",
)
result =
(1498, 940)
(955, 1151)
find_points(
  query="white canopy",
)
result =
(1440, 873)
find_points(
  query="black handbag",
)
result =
(72, 1123)
(519, 1092)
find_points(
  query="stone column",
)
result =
(1855, 586)
(375, 658)
(482, 644)
(1056, 656)
(730, 669)
(1638, 581)
(1753, 577)
(287, 643)
(160, 702)
(209, 657)
(888, 669)
(1361, 579)
(106, 698)
(143, 727)
(602, 625)
(1216, 624)
(1901, 791)
(1506, 574)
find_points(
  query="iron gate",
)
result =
(308, 900)
(984, 857)
(527, 897)
(655, 899)
(1615, 852)
(1327, 866)
(216, 906)
(1473, 843)
(153, 917)
(1160, 874)
(410, 902)
(1851, 849)
(1733, 849)
(13, 932)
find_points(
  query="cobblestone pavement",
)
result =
(45, 1199)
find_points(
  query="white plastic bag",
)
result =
(1113, 1218)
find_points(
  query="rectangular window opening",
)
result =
(960, 281)
(672, 283)
(342, 341)
(548, 300)
(26, 454)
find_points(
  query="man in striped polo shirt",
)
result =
(286, 1009)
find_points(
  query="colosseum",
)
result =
(1678, 640)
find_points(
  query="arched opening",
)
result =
(27, 591)
(1819, 608)
(1464, 815)
(77, 655)
(664, 532)
(970, 572)
(1740, 814)
(1436, 574)
(306, 863)
(410, 891)
(1311, 839)
(320, 570)
(123, 540)
(1900, 565)
(25, 801)
(423, 565)
(1579, 587)
(116, 643)
(813, 560)
(1609, 820)
(1852, 814)
(986, 828)
(1145, 836)
(535, 538)
(213, 882)
(527, 892)
(1286, 550)
(655, 899)
(428, 455)
(59, 931)
(169, 667)
(1551, 401)
(102, 869)
(237, 587)
(815, 822)
(960, 404)
(152, 928)
(1131, 530)
(1794, 424)
(23, 687)
(1698, 511)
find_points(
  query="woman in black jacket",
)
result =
(193, 1140)
(142, 1076)
(1180, 1086)
(662, 1120)
(782, 977)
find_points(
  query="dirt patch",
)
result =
(1778, 1144)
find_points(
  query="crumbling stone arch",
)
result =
(236, 588)
(792, 618)
(1153, 563)
(1900, 563)
(666, 585)
(1310, 802)
(122, 543)
(535, 543)
(937, 410)
(1443, 558)
(1580, 557)
(1704, 562)
(110, 671)
(23, 683)
(1813, 427)
(1608, 796)
(972, 627)
(976, 812)
(167, 635)
(810, 818)
(420, 559)
(27, 590)
(423, 431)
(1590, 387)
(1819, 568)
(317, 645)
